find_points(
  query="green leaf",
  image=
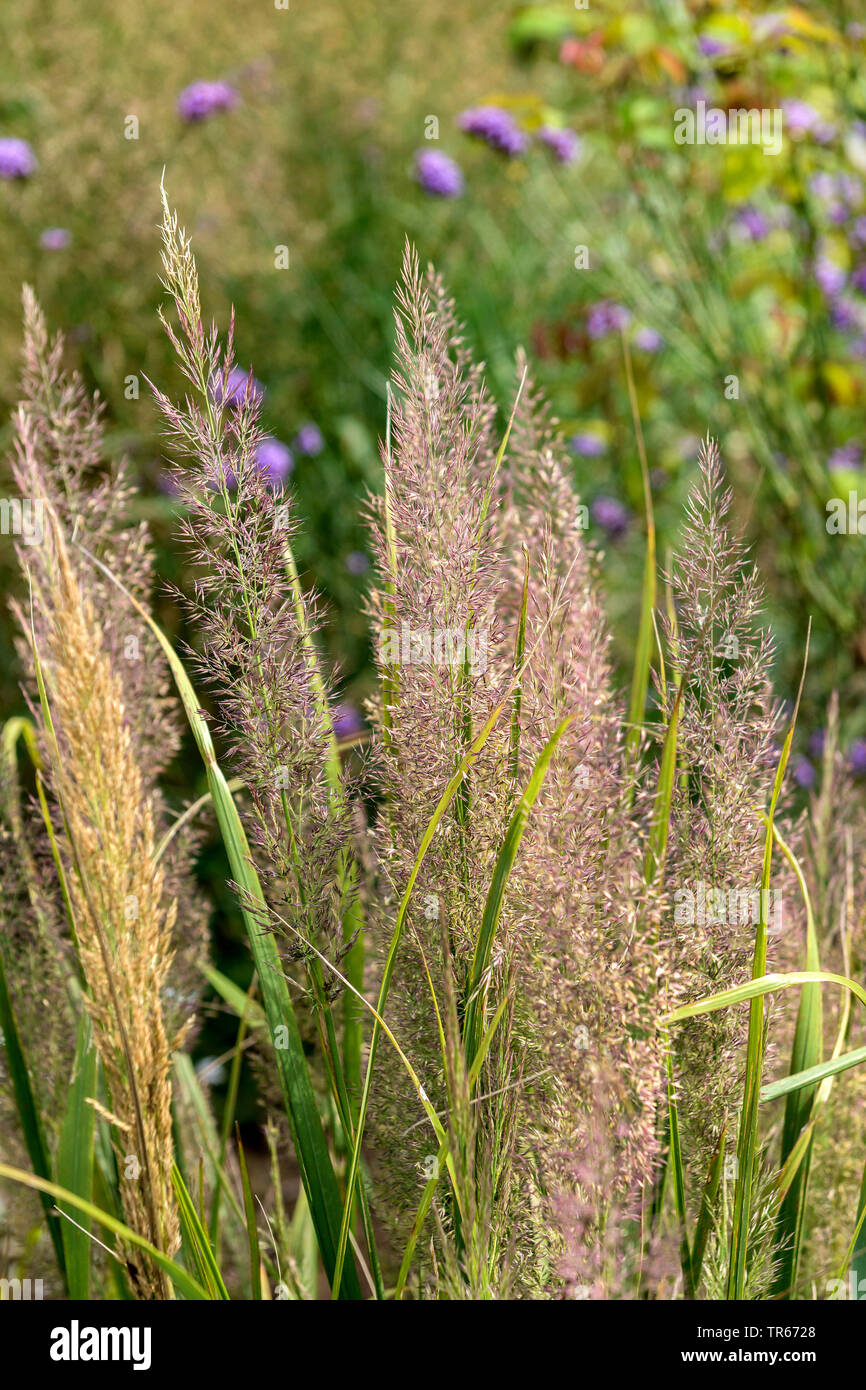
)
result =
(811, 1077)
(75, 1158)
(806, 1053)
(755, 989)
(28, 1113)
(252, 1228)
(496, 891)
(196, 1239)
(747, 1140)
(182, 1281)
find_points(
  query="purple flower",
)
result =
(438, 174)
(817, 739)
(648, 340)
(201, 100)
(857, 757)
(606, 317)
(858, 279)
(712, 48)
(565, 144)
(611, 515)
(845, 314)
(497, 128)
(236, 387)
(308, 441)
(17, 160)
(858, 232)
(588, 445)
(804, 773)
(274, 459)
(800, 117)
(830, 277)
(752, 223)
(346, 721)
(850, 455)
(55, 239)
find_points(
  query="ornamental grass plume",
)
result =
(437, 636)
(728, 755)
(256, 630)
(104, 730)
(587, 969)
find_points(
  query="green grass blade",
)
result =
(252, 1227)
(806, 1053)
(812, 1076)
(747, 1140)
(196, 1239)
(237, 999)
(858, 1254)
(75, 1158)
(182, 1280)
(28, 1114)
(756, 989)
(643, 648)
(496, 892)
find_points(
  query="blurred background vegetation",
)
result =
(736, 276)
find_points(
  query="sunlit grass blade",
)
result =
(196, 1240)
(756, 989)
(806, 1052)
(75, 1158)
(442, 1157)
(252, 1228)
(644, 644)
(812, 1076)
(747, 1139)
(182, 1280)
(496, 893)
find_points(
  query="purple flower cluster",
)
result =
(751, 223)
(564, 143)
(274, 460)
(802, 119)
(55, 239)
(309, 440)
(438, 174)
(648, 340)
(611, 515)
(605, 317)
(588, 444)
(17, 160)
(712, 48)
(496, 127)
(234, 390)
(849, 456)
(201, 100)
